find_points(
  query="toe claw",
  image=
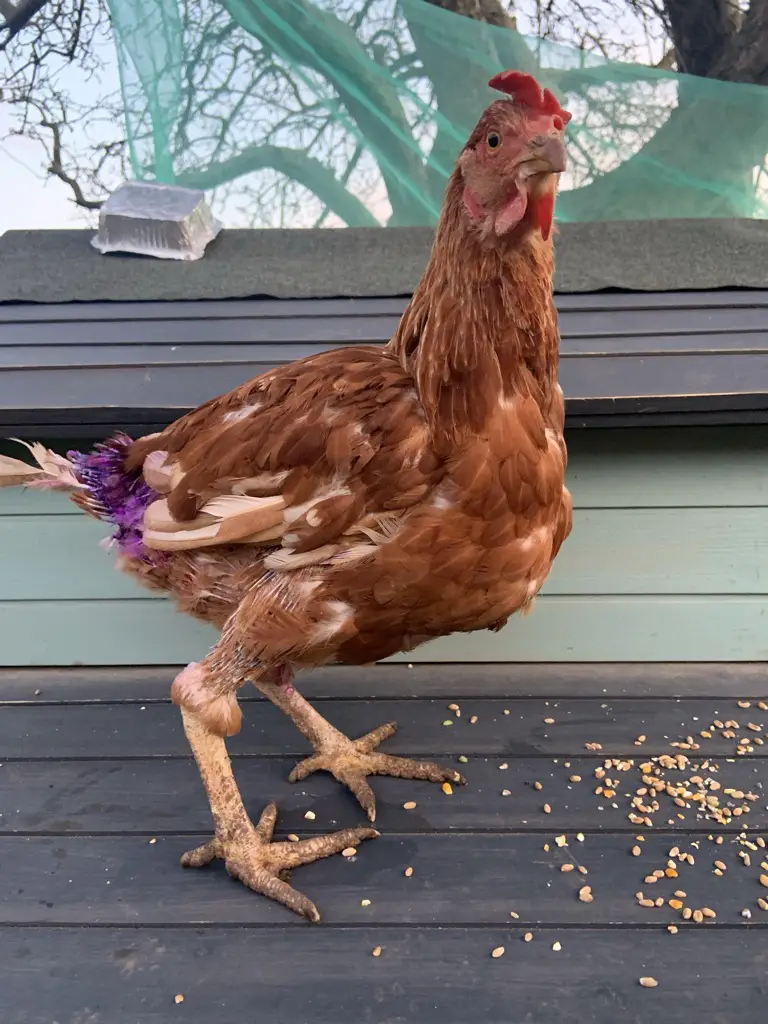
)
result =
(201, 856)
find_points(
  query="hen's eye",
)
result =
(493, 140)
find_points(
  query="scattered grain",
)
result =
(528, 937)
(538, 786)
(566, 868)
(676, 904)
(473, 719)
(556, 947)
(349, 852)
(365, 903)
(561, 841)
(292, 837)
(448, 721)
(649, 983)
(672, 929)
(496, 953)
(764, 881)
(575, 778)
(585, 894)
(408, 872)
(310, 815)
(698, 916)
(409, 805)
(376, 951)
(687, 914)
(708, 912)
(763, 904)
(636, 851)
(514, 915)
(547, 809)
(463, 759)
(447, 788)
(178, 999)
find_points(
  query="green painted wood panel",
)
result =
(560, 629)
(668, 561)
(611, 551)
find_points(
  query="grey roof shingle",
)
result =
(62, 266)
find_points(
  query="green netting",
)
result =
(306, 112)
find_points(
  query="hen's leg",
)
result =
(247, 849)
(349, 761)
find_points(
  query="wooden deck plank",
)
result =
(504, 681)
(466, 879)
(423, 976)
(152, 797)
(132, 730)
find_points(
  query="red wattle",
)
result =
(543, 212)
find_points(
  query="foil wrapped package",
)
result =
(166, 221)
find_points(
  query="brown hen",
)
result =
(361, 502)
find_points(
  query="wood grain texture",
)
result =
(600, 629)
(468, 879)
(423, 976)
(390, 681)
(157, 796)
(611, 551)
(457, 880)
(129, 730)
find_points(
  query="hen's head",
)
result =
(511, 164)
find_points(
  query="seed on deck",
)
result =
(687, 914)
(719, 864)
(575, 778)
(473, 719)
(292, 837)
(698, 916)
(708, 912)
(448, 721)
(763, 904)
(565, 868)
(409, 805)
(349, 852)
(585, 894)
(672, 929)
(649, 983)
(408, 872)
(376, 951)
(561, 841)
(764, 880)
(463, 759)
(496, 953)
(549, 721)
(547, 809)
(744, 703)
(676, 904)
(528, 937)
(556, 947)
(178, 999)
(365, 903)
(310, 815)
(636, 851)
(447, 788)
(538, 786)
(514, 915)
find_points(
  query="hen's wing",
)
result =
(306, 457)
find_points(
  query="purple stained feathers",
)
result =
(114, 494)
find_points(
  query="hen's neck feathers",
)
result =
(481, 327)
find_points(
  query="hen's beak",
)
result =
(545, 155)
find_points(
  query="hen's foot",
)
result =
(352, 761)
(264, 866)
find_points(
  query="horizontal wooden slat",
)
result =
(727, 682)
(603, 629)
(128, 730)
(467, 879)
(423, 976)
(611, 551)
(153, 797)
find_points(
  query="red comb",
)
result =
(526, 90)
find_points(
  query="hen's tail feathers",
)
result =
(53, 472)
